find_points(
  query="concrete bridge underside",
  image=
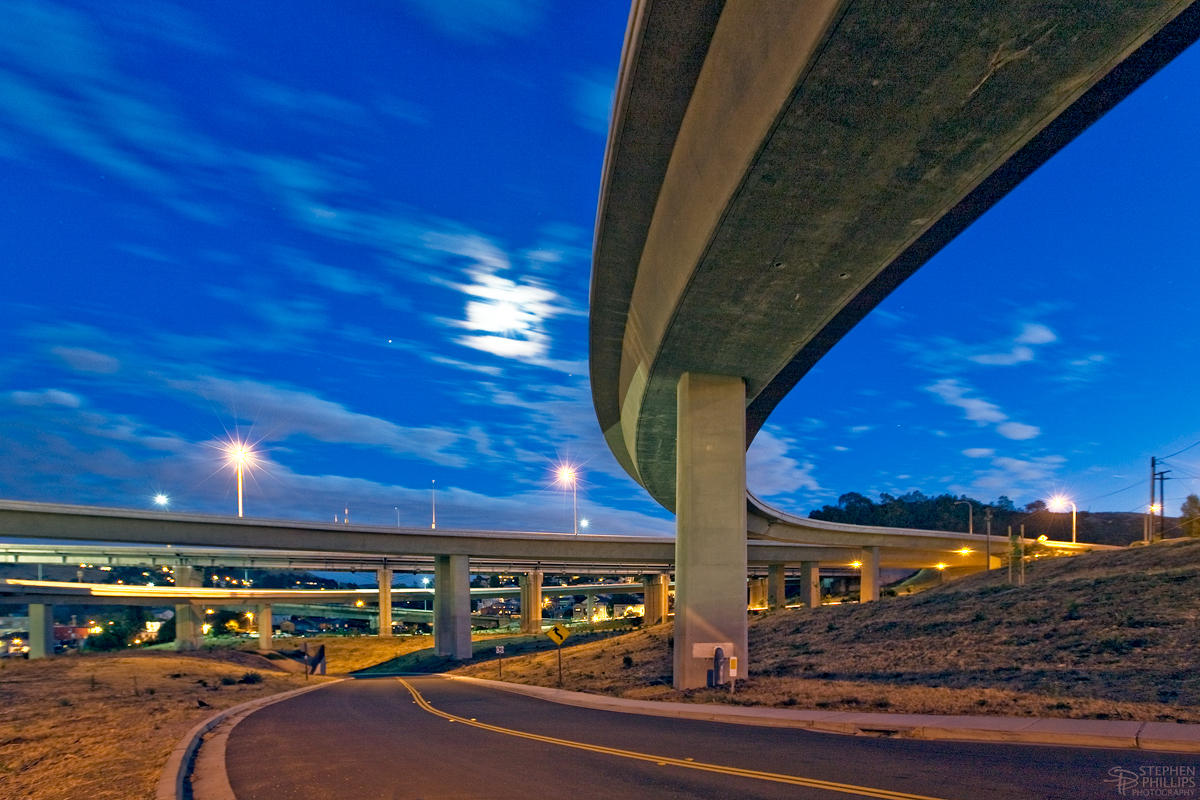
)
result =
(773, 171)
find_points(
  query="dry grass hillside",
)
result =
(1101, 635)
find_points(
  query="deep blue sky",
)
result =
(359, 233)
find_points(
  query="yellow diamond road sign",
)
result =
(558, 634)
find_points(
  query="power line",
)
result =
(1184, 450)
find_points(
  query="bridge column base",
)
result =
(868, 588)
(776, 586)
(810, 583)
(654, 588)
(384, 580)
(531, 602)
(710, 524)
(451, 607)
(41, 630)
(188, 635)
(265, 627)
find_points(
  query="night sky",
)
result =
(359, 234)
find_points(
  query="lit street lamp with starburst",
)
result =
(241, 457)
(567, 475)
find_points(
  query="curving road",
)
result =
(429, 737)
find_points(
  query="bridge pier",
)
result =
(654, 598)
(868, 588)
(758, 593)
(384, 580)
(810, 583)
(265, 628)
(451, 607)
(41, 630)
(776, 586)
(710, 523)
(531, 601)
(187, 615)
(589, 607)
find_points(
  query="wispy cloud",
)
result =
(46, 397)
(483, 20)
(83, 360)
(288, 412)
(952, 392)
(770, 470)
(592, 99)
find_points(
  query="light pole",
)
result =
(1060, 503)
(433, 506)
(568, 477)
(242, 456)
(970, 514)
(397, 510)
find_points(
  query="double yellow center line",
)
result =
(664, 761)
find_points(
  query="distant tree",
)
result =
(1003, 503)
(1035, 506)
(1191, 515)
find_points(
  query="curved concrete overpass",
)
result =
(773, 171)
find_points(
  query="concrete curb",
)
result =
(1162, 736)
(172, 782)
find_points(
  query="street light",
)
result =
(970, 514)
(1060, 503)
(162, 500)
(567, 476)
(241, 456)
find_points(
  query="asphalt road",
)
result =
(374, 739)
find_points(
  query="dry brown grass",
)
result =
(345, 654)
(1102, 636)
(101, 726)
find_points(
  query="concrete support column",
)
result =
(710, 523)
(868, 588)
(531, 602)
(451, 607)
(776, 586)
(654, 596)
(384, 579)
(41, 630)
(758, 593)
(187, 615)
(810, 583)
(265, 628)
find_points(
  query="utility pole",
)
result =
(1149, 531)
(987, 518)
(1162, 500)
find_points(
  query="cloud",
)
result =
(976, 409)
(592, 100)
(46, 397)
(771, 471)
(1017, 430)
(1035, 333)
(288, 412)
(482, 20)
(979, 452)
(84, 360)
(1014, 475)
(982, 412)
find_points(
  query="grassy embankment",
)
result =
(1110, 635)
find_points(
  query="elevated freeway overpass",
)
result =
(773, 171)
(33, 533)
